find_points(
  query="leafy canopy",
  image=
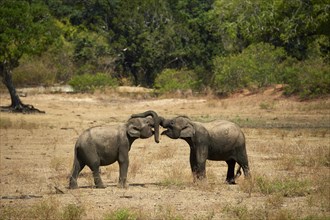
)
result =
(26, 27)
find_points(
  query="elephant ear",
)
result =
(188, 131)
(133, 131)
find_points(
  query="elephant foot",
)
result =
(100, 186)
(73, 184)
(231, 181)
(198, 177)
(122, 183)
(98, 181)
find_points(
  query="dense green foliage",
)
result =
(171, 80)
(89, 82)
(226, 45)
(257, 66)
(26, 27)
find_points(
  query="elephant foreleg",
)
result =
(197, 167)
(123, 169)
(201, 174)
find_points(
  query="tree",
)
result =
(26, 27)
(289, 24)
(142, 34)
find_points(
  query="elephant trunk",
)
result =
(163, 122)
(156, 121)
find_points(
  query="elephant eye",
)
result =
(172, 123)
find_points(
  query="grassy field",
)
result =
(288, 144)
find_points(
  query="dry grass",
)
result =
(45, 209)
(134, 168)
(289, 164)
(165, 152)
(17, 123)
(176, 175)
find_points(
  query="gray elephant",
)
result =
(102, 146)
(219, 141)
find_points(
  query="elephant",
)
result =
(104, 145)
(217, 141)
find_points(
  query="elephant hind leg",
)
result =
(246, 171)
(231, 171)
(238, 172)
(96, 175)
(76, 168)
(245, 166)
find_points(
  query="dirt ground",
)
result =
(288, 141)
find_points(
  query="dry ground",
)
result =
(288, 144)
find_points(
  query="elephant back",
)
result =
(225, 133)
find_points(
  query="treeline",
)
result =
(223, 45)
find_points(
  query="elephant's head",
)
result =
(140, 125)
(179, 127)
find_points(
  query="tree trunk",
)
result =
(16, 103)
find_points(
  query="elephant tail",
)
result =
(238, 172)
(77, 165)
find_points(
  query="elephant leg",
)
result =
(123, 169)
(193, 165)
(197, 165)
(246, 171)
(201, 174)
(77, 167)
(243, 162)
(231, 171)
(96, 175)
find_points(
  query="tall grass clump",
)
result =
(89, 82)
(121, 214)
(284, 186)
(175, 176)
(73, 212)
(241, 212)
(45, 209)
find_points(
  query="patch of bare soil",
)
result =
(287, 143)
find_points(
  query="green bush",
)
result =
(255, 67)
(308, 79)
(88, 82)
(35, 71)
(171, 80)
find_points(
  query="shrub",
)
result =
(35, 71)
(308, 79)
(88, 82)
(171, 80)
(256, 66)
